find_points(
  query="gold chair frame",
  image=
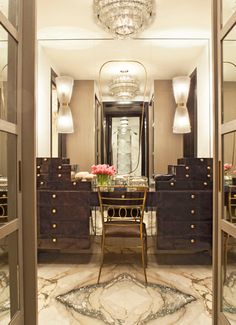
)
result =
(122, 211)
(232, 219)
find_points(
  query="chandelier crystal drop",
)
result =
(124, 87)
(123, 18)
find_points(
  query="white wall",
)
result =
(204, 104)
(43, 103)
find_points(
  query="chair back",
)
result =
(124, 204)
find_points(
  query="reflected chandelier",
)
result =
(124, 87)
(123, 18)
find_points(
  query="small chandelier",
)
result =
(123, 18)
(124, 87)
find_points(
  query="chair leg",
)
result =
(102, 256)
(143, 258)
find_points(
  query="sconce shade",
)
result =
(181, 120)
(64, 89)
(65, 120)
(181, 89)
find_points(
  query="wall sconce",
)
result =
(64, 86)
(181, 90)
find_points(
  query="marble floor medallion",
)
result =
(125, 300)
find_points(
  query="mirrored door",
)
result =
(225, 225)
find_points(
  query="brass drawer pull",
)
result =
(54, 210)
(192, 226)
(192, 196)
(208, 167)
(41, 183)
(74, 183)
(54, 240)
(187, 175)
(208, 175)
(205, 183)
(122, 196)
(172, 184)
(38, 166)
(192, 211)
(59, 175)
(54, 196)
(187, 167)
(54, 225)
(45, 159)
(59, 167)
(192, 241)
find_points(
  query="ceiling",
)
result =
(78, 47)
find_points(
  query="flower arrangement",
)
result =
(103, 173)
(227, 167)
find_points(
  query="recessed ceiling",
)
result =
(77, 46)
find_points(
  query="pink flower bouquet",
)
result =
(227, 167)
(103, 173)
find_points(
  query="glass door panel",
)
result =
(228, 302)
(10, 10)
(229, 76)
(8, 178)
(9, 277)
(228, 8)
(8, 76)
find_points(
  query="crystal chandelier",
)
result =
(124, 87)
(123, 18)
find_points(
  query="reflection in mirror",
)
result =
(228, 9)
(54, 111)
(229, 76)
(122, 84)
(9, 277)
(228, 302)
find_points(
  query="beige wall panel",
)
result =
(168, 146)
(80, 144)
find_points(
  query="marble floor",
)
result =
(68, 292)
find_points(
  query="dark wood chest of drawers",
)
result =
(184, 208)
(63, 207)
(63, 219)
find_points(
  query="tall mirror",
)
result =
(122, 89)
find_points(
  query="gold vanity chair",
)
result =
(231, 217)
(122, 211)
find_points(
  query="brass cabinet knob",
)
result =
(54, 196)
(74, 183)
(192, 241)
(122, 196)
(208, 167)
(205, 183)
(187, 167)
(201, 159)
(54, 210)
(172, 184)
(187, 175)
(45, 159)
(4, 195)
(54, 225)
(38, 166)
(59, 175)
(208, 175)
(59, 167)
(192, 226)
(192, 196)
(38, 175)
(41, 183)
(54, 240)
(192, 211)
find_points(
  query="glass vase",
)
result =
(228, 179)
(102, 179)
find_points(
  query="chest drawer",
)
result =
(55, 212)
(184, 242)
(63, 198)
(64, 229)
(185, 229)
